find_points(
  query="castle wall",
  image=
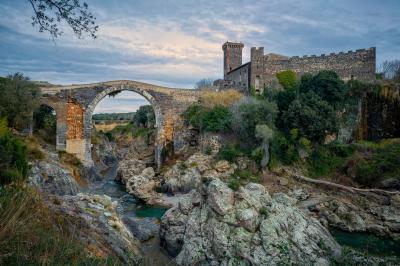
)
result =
(240, 77)
(358, 65)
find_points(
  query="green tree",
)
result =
(144, 116)
(287, 79)
(249, 112)
(13, 156)
(327, 85)
(314, 117)
(265, 133)
(18, 98)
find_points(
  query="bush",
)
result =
(314, 117)
(287, 79)
(144, 116)
(218, 119)
(327, 158)
(250, 112)
(234, 184)
(18, 98)
(13, 158)
(229, 152)
(383, 164)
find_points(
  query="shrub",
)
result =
(229, 152)
(384, 163)
(13, 158)
(313, 116)
(234, 184)
(18, 98)
(327, 158)
(218, 119)
(144, 116)
(287, 79)
(249, 112)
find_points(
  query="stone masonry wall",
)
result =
(359, 65)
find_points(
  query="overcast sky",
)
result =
(176, 43)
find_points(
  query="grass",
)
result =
(30, 234)
(210, 98)
(34, 150)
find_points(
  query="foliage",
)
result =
(210, 98)
(264, 132)
(289, 148)
(314, 117)
(287, 79)
(247, 176)
(384, 163)
(49, 14)
(30, 234)
(327, 158)
(218, 119)
(204, 84)
(18, 98)
(45, 123)
(327, 85)
(234, 183)
(249, 112)
(113, 116)
(230, 152)
(13, 157)
(144, 116)
(194, 115)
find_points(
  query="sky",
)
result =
(176, 43)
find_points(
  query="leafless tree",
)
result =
(204, 84)
(390, 69)
(48, 14)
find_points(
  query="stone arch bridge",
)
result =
(74, 106)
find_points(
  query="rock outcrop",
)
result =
(50, 177)
(99, 226)
(218, 226)
(185, 176)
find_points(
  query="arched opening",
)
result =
(45, 124)
(123, 126)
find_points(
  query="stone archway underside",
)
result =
(74, 105)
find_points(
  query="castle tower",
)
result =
(232, 56)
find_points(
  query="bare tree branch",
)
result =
(50, 13)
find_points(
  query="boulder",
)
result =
(51, 177)
(246, 227)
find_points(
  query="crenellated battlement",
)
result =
(350, 52)
(261, 72)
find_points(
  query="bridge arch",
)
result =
(87, 120)
(75, 104)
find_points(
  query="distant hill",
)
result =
(113, 116)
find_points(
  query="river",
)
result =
(141, 219)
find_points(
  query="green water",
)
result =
(143, 210)
(367, 242)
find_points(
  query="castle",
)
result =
(261, 71)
